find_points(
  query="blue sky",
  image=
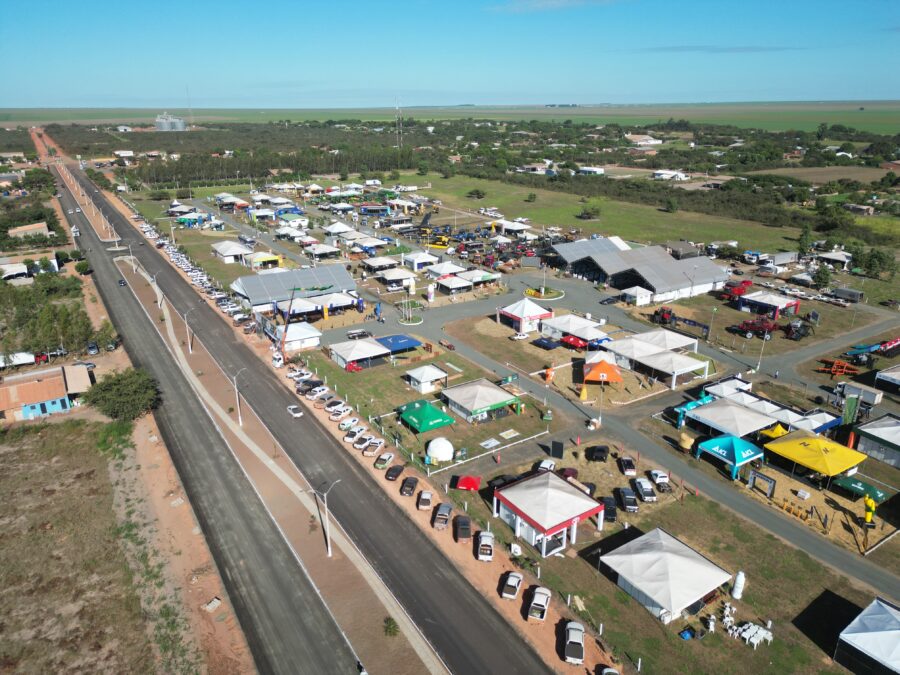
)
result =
(305, 54)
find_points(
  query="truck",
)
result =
(735, 289)
(760, 326)
(574, 649)
(866, 394)
(485, 546)
(848, 294)
(442, 516)
(540, 603)
(17, 359)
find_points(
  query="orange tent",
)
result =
(602, 372)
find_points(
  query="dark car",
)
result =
(611, 300)
(628, 500)
(597, 453)
(409, 485)
(122, 282)
(463, 528)
(626, 466)
(500, 481)
(568, 472)
(358, 334)
(394, 472)
(307, 386)
(112, 345)
(609, 509)
(546, 343)
(92, 348)
(737, 272)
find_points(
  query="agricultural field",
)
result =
(633, 222)
(819, 175)
(877, 116)
(69, 603)
(16, 140)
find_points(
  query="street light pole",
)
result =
(713, 318)
(237, 396)
(327, 520)
(187, 329)
(131, 255)
(761, 350)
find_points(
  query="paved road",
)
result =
(463, 627)
(287, 626)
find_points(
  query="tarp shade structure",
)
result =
(859, 487)
(479, 396)
(775, 432)
(730, 418)
(664, 574)
(603, 372)
(421, 416)
(573, 341)
(472, 483)
(871, 643)
(527, 310)
(732, 450)
(667, 339)
(816, 453)
(398, 343)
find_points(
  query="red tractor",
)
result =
(665, 316)
(353, 367)
(761, 326)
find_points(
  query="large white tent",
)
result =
(557, 327)
(343, 353)
(667, 339)
(728, 417)
(674, 364)
(871, 643)
(664, 574)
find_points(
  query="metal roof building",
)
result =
(266, 289)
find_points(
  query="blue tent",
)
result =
(732, 450)
(398, 343)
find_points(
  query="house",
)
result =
(860, 209)
(682, 249)
(262, 291)
(838, 259)
(880, 439)
(123, 129)
(888, 379)
(263, 260)
(33, 230)
(424, 379)
(480, 401)
(230, 252)
(664, 574)
(642, 140)
(46, 392)
(591, 171)
(545, 510)
(419, 260)
(122, 154)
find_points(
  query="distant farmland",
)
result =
(876, 116)
(823, 174)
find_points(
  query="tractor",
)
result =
(665, 316)
(761, 326)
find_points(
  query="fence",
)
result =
(432, 472)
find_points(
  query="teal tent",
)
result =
(732, 450)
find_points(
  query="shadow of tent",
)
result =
(824, 618)
(578, 370)
(591, 554)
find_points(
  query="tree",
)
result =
(124, 395)
(671, 204)
(44, 264)
(476, 194)
(106, 334)
(343, 175)
(394, 175)
(183, 193)
(422, 169)
(805, 242)
(877, 262)
(532, 197)
(159, 195)
(822, 131)
(82, 267)
(822, 277)
(589, 213)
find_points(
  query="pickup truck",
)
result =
(512, 586)
(540, 603)
(574, 649)
(442, 516)
(486, 546)
(661, 481)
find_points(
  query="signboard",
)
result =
(767, 481)
(814, 317)
(556, 449)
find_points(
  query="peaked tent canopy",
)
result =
(730, 418)
(548, 502)
(664, 574)
(871, 643)
(526, 309)
(775, 432)
(421, 416)
(815, 452)
(732, 450)
(602, 371)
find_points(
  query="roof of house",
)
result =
(453, 282)
(444, 268)
(426, 373)
(479, 395)
(298, 331)
(770, 299)
(526, 309)
(574, 251)
(231, 248)
(660, 271)
(42, 388)
(260, 289)
(886, 429)
(421, 256)
(33, 228)
(380, 262)
(78, 379)
(547, 501)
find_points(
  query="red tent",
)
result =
(573, 341)
(472, 483)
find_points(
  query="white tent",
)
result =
(631, 349)
(525, 314)
(500, 239)
(230, 251)
(440, 449)
(422, 379)
(664, 574)
(443, 269)
(299, 336)
(397, 274)
(667, 339)
(674, 364)
(343, 353)
(477, 398)
(452, 284)
(571, 324)
(871, 643)
(317, 250)
(337, 227)
(729, 417)
(419, 259)
(638, 296)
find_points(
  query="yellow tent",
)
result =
(815, 452)
(775, 432)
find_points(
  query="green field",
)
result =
(634, 222)
(877, 116)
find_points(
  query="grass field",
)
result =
(68, 601)
(877, 116)
(634, 222)
(822, 174)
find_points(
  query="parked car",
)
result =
(333, 404)
(645, 489)
(546, 465)
(358, 334)
(463, 527)
(485, 546)
(294, 411)
(627, 466)
(442, 516)
(511, 586)
(340, 413)
(597, 453)
(519, 336)
(373, 447)
(348, 423)
(628, 500)
(384, 460)
(354, 434)
(308, 386)
(363, 442)
(501, 480)
(393, 473)
(540, 603)
(318, 392)
(92, 348)
(609, 509)
(408, 486)
(574, 648)
(661, 480)
(423, 503)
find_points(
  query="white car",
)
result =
(294, 411)
(659, 476)
(354, 434)
(77, 210)
(318, 392)
(363, 441)
(512, 586)
(70, 212)
(547, 465)
(645, 489)
(374, 447)
(519, 336)
(348, 423)
(340, 413)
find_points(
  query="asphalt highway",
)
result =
(287, 626)
(461, 625)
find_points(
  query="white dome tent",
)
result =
(440, 450)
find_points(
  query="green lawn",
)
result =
(877, 116)
(633, 222)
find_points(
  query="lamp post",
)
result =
(237, 396)
(187, 329)
(324, 497)
(131, 255)
(158, 293)
(761, 350)
(712, 318)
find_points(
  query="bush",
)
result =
(476, 194)
(82, 267)
(391, 628)
(124, 395)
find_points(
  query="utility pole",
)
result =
(237, 396)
